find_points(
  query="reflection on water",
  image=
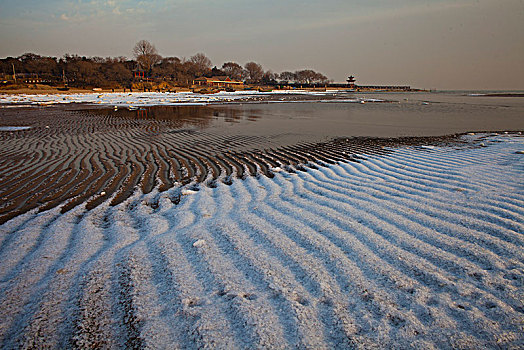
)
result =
(182, 116)
(405, 114)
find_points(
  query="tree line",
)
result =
(146, 64)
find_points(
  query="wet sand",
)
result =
(78, 154)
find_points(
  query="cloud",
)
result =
(382, 14)
(105, 11)
(75, 17)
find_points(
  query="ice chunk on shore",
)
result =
(199, 244)
(14, 128)
(116, 99)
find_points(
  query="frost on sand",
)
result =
(420, 248)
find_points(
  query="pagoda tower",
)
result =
(351, 82)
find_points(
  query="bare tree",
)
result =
(287, 77)
(232, 70)
(308, 76)
(82, 71)
(117, 71)
(254, 72)
(269, 78)
(146, 54)
(201, 63)
(36, 64)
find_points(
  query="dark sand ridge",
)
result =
(72, 154)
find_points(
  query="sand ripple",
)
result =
(68, 158)
(410, 247)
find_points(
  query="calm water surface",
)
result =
(399, 114)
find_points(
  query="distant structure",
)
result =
(351, 82)
(384, 88)
(140, 74)
(218, 81)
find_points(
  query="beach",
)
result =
(254, 220)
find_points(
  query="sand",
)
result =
(199, 228)
(417, 248)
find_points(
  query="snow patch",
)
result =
(14, 128)
(142, 99)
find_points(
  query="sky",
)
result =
(440, 44)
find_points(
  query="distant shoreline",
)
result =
(55, 91)
(503, 95)
(46, 89)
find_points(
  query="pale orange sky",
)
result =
(443, 44)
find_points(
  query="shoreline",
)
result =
(50, 90)
(173, 163)
(157, 155)
(54, 90)
(167, 146)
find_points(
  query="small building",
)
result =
(220, 81)
(351, 82)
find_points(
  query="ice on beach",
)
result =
(142, 99)
(187, 191)
(199, 244)
(14, 128)
(406, 249)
